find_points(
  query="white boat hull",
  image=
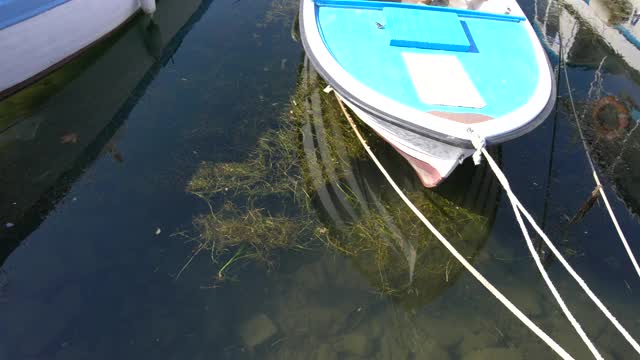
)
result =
(431, 159)
(33, 46)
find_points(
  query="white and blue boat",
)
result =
(38, 36)
(421, 76)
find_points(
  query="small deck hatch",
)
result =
(425, 29)
(442, 80)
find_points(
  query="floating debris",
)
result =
(584, 209)
(115, 153)
(70, 138)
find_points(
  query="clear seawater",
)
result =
(96, 222)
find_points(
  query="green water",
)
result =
(187, 191)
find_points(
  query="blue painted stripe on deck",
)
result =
(473, 48)
(15, 11)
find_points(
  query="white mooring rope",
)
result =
(479, 144)
(492, 289)
(594, 173)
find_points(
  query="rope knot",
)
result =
(479, 143)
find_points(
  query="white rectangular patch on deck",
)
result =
(442, 80)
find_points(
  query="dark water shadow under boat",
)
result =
(349, 194)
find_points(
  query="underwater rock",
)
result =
(312, 276)
(349, 280)
(435, 351)
(477, 341)
(610, 343)
(494, 353)
(326, 352)
(354, 344)
(307, 320)
(374, 327)
(392, 343)
(533, 348)
(395, 345)
(564, 334)
(257, 330)
(527, 300)
(441, 331)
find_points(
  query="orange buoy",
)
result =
(622, 116)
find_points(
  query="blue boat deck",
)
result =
(498, 58)
(15, 11)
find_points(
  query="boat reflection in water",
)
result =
(371, 225)
(53, 130)
(602, 39)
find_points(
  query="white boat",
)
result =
(38, 36)
(422, 76)
(37, 171)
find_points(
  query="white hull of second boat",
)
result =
(42, 41)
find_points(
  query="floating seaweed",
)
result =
(310, 180)
(370, 224)
(265, 207)
(252, 233)
(281, 12)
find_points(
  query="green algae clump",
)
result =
(401, 258)
(256, 232)
(310, 183)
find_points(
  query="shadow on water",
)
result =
(55, 129)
